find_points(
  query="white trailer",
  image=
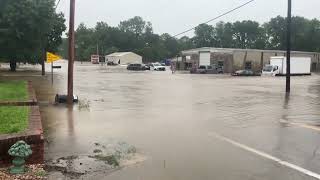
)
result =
(278, 66)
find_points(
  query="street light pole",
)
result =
(288, 47)
(71, 52)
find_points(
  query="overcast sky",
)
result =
(175, 16)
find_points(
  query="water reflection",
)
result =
(286, 101)
(70, 120)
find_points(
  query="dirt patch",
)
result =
(34, 172)
(105, 158)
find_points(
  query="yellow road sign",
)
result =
(52, 57)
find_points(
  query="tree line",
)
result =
(134, 34)
(28, 29)
(137, 35)
(251, 34)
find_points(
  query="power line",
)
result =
(57, 4)
(228, 12)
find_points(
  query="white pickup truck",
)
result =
(157, 67)
(278, 66)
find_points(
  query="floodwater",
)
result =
(175, 121)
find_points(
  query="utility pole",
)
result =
(97, 49)
(288, 47)
(43, 57)
(71, 52)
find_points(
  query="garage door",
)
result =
(204, 58)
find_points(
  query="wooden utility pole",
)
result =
(43, 62)
(288, 47)
(71, 52)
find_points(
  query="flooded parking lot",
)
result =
(184, 126)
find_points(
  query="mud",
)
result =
(106, 157)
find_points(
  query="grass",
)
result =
(13, 90)
(13, 119)
(41, 173)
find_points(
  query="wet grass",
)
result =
(13, 90)
(13, 119)
(40, 173)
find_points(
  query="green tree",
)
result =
(313, 35)
(185, 43)
(171, 45)
(246, 34)
(54, 38)
(276, 33)
(84, 43)
(204, 36)
(31, 28)
(134, 25)
(224, 35)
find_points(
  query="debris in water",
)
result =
(97, 151)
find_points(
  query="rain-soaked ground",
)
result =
(169, 127)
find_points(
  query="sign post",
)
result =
(50, 59)
(52, 73)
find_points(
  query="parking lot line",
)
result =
(306, 126)
(265, 155)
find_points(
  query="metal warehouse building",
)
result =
(124, 58)
(232, 60)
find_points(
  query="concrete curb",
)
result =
(33, 135)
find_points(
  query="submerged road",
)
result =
(188, 126)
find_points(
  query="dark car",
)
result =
(245, 72)
(135, 67)
(110, 63)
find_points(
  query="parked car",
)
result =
(136, 67)
(246, 72)
(110, 63)
(206, 69)
(146, 67)
(157, 67)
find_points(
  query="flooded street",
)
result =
(184, 126)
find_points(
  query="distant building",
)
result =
(231, 60)
(95, 59)
(124, 58)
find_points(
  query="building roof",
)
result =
(119, 54)
(231, 51)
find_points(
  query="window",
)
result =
(268, 68)
(314, 67)
(248, 65)
(275, 68)
(220, 64)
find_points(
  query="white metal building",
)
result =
(124, 58)
(232, 60)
